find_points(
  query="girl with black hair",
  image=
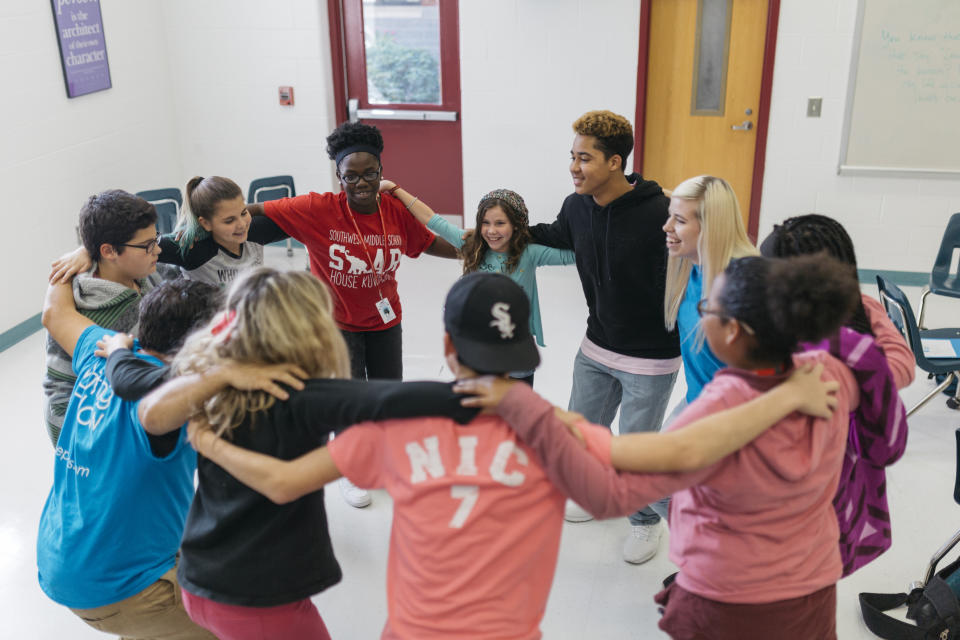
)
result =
(878, 436)
(815, 233)
(755, 534)
(355, 239)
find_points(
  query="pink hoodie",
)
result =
(757, 526)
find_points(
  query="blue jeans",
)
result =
(662, 506)
(597, 392)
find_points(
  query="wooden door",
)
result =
(703, 89)
(400, 71)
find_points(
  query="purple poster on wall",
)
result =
(83, 49)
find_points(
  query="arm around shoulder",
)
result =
(281, 481)
(61, 318)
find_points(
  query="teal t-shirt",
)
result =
(535, 255)
(112, 523)
(699, 363)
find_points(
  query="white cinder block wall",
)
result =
(227, 60)
(55, 151)
(895, 223)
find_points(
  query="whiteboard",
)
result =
(903, 99)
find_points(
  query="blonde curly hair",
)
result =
(271, 317)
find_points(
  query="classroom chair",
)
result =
(168, 203)
(273, 188)
(901, 314)
(942, 281)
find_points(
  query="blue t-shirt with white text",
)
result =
(112, 523)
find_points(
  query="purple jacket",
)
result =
(877, 438)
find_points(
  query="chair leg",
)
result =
(943, 385)
(923, 300)
(954, 401)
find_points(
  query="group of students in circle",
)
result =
(774, 460)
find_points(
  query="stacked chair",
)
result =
(273, 188)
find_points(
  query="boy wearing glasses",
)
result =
(119, 231)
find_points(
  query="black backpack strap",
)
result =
(944, 601)
(872, 606)
(956, 480)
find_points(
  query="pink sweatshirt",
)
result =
(757, 526)
(903, 365)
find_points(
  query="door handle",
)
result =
(745, 126)
(406, 114)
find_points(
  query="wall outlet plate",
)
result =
(814, 106)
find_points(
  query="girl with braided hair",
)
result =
(815, 233)
(500, 243)
(877, 435)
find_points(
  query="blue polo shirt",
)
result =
(112, 523)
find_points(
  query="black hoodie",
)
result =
(622, 260)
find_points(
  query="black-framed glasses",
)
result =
(354, 178)
(146, 246)
(704, 310)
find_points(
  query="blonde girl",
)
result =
(246, 563)
(704, 232)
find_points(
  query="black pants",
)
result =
(375, 354)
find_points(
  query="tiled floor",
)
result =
(595, 594)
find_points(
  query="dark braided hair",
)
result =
(814, 233)
(788, 301)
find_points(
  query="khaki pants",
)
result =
(155, 613)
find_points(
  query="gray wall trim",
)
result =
(23, 330)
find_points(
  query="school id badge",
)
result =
(386, 311)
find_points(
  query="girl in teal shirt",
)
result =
(500, 243)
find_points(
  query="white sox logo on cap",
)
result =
(502, 320)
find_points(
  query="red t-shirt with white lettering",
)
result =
(476, 525)
(358, 277)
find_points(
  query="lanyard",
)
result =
(363, 243)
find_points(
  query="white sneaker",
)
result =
(642, 543)
(354, 495)
(573, 512)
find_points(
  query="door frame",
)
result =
(449, 61)
(763, 107)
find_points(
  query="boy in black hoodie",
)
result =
(627, 359)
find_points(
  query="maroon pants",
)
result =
(687, 616)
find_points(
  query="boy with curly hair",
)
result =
(627, 359)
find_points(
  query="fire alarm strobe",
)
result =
(286, 96)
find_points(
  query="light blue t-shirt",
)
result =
(699, 363)
(525, 275)
(112, 523)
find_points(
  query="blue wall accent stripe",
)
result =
(26, 328)
(900, 278)
(867, 276)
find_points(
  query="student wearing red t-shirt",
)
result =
(355, 239)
